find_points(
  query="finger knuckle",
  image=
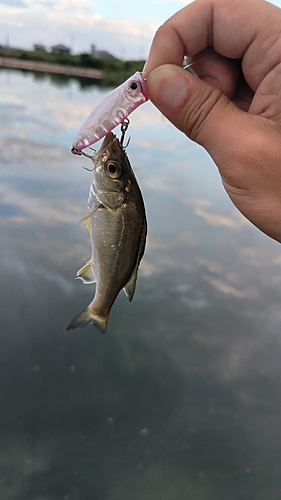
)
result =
(200, 112)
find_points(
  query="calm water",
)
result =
(180, 400)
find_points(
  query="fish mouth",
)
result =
(108, 142)
(108, 138)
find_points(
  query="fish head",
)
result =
(112, 171)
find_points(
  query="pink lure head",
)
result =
(111, 111)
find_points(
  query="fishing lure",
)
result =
(111, 111)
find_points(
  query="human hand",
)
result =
(234, 108)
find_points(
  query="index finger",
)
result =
(234, 28)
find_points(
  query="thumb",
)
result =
(244, 146)
(196, 108)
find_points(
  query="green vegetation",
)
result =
(80, 60)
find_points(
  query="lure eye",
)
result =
(133, 85)
(112, 170)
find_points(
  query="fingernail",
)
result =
(167, 87)
(144, 70)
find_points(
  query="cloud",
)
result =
(13, 3)
(213, 266)
(78, 24)
(146, 144)
(68, 5)
(217, 219)
(203, 208)
(226, 288)
(172, 2)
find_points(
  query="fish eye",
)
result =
(133, 85)
(112, 170)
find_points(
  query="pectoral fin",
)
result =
(129, 288)
(91, 212)
(86, 274)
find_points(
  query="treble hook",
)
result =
(80, 153)
(91, 157)
(88, 156)
(124, 127)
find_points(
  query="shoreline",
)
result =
(44, 67)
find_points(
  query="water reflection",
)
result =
(181, 398)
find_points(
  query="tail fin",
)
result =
(87, 317)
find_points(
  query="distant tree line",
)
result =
(83, 60)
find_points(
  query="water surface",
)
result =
(180, 400)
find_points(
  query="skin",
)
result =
(233, 107)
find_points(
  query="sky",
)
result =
(123, 27)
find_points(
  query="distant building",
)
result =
(39, 46)
(60, 49)
(102, 54)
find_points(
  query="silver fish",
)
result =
(117, 227)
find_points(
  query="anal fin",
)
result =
(129, 288)
(86, 274)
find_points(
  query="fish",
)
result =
(111, 111)
(117, 225)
